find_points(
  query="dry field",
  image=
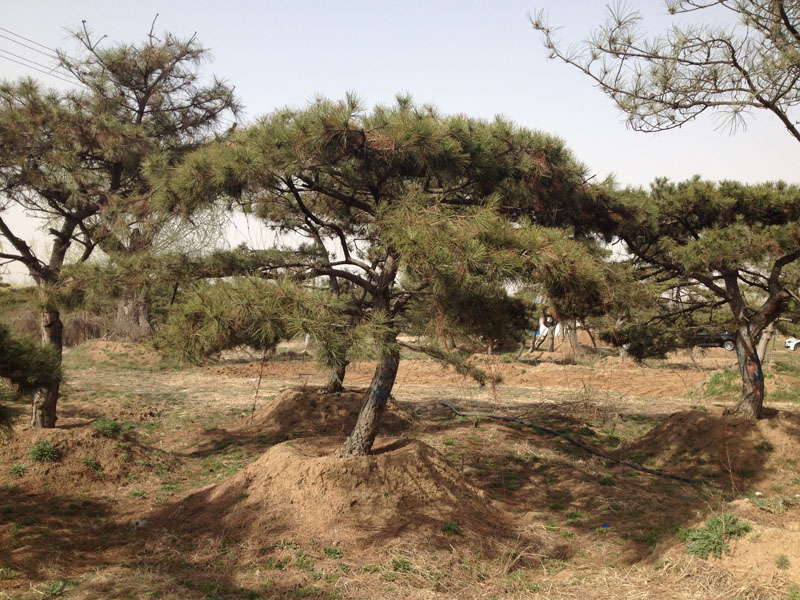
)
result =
(221, 483)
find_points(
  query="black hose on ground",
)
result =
(575, 442)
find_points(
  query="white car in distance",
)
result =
(792, 343)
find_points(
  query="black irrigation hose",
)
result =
(575, 442)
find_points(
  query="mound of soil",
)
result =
(117, 354)
(740, 453)
(299, 490)
(82, 453)
(306, 412)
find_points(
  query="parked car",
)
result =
(792, 343)
(715, 339)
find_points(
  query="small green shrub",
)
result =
(137, 494)
(782, 562)
(56, 588)
(402, 565)
(107, 427)
(511, 481)
(302, 561)
(712, 539)
(451, 527)
(332, 551)
(18, 470)
(7, 572)
(607, 480)
(44, 451)
(91, 464)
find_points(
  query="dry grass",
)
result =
(194, 428)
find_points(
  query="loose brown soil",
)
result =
(224, 483)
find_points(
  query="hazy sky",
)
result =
(476, 58)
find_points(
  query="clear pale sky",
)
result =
(476, 58)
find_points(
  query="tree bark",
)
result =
(763, 342)
(363, 435)
(574, 351)
(752, 399)
(45, 400)
(336, 380)
(132, 322)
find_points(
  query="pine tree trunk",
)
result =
(336, 380)
(763, 343)
(574, 351)
(132, 322)
(752, 399)
(45, 400)
(363, 435)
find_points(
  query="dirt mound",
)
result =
(740, 453)
(81, 453)
(299, 490)
(306, 412)
(108, 353)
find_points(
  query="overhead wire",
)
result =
(10, 39)
(48, 70)
(28, 39)
(38, 64)
(73, 82)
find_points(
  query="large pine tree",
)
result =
(82, 159)
(396, 205)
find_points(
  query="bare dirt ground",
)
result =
(222, 482)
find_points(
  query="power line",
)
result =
(28, 40)
(10, 39)
(73, 82)
(33, 62)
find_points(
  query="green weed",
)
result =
(303, 561)
(451, 527)
(44, 451)
(712, 539)
(56, 588)
(18, 470)
(7, 572)
(107, 427)
(402, 565)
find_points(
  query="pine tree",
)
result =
(662, 82)
(395, 205)
(83, 159)
(707, 245)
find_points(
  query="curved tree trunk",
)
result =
(45, 400)
(363, 435)
(752, 399)
(132, 322)
(764, 341)
(336, 380)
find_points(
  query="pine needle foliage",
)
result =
(252, 312)
(26, 363)
(398, 206)
(737, 56)
(712, 245)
